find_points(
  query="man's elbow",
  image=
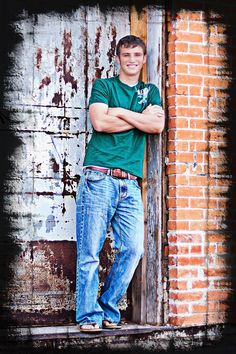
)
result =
(98, 128)
(157, 129)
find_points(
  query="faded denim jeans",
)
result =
(102, 201)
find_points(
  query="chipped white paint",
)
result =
(54, 67)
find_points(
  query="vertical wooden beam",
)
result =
(138, 27)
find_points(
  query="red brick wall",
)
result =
(200, 281)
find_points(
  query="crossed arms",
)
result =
(115, 120)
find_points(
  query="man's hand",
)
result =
(154, 109)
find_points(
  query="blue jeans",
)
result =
(102, 201)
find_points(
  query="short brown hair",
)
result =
(130, 42)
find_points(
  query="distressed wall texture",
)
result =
(201, 248)
(46, 92)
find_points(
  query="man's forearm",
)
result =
(147, 122)
(112, 124)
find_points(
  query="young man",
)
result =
(122, 110)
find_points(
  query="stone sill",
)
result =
(140, 337)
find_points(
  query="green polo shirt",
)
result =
(124, 150)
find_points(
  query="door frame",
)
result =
(148, 287)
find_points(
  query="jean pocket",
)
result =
(94, 176)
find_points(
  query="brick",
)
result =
(197, 27)
(189, 58)
(190, 135)
(218, 61)
(189, 79)
(176, 168)
(177, 123)
(218, 294)
(198, 225)
(189, 37)
(181, 47)
(198, 180)
(216, 82)
(173, 273)
(189, 112)
(202, 49)
(177, 202)
(195, 90)
(182, 90)
(209, 92)
(198, 123)
(187, 273)
(182, 25)
(178, 285)
(191, 261)
(213, 318)
(182, 101)
(196, 249)
(202, 70)
(199, 102)
(189, 214)
(172, 112)
(185, 295)
(178, 146)
(200, 146)
(214, 272)
(198, 203)
(217, 39)
(178, 180)
(195, 15)
(174, 250)
(200, 284)
(223, 249)
(178, 308)
(221, 51)
(181, 68)
(200, 308)
(217, 237)
(177, 225)
(190, 192)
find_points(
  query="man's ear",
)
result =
(144, 58)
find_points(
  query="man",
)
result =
(122, 110)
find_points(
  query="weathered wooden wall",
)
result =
(47, 91)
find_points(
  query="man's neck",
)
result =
(129, 80)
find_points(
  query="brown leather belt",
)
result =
(114, 172)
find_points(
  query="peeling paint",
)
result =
(51, 119)
(57, 99)
(55, 165)
(38, 58)
(67, 44)
(50, 223)
(45, 82)
(69, 78)
(111, 52)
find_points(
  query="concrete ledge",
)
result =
(131, 337)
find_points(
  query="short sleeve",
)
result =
(99, 93)
(154, 95)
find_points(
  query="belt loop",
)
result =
(109, 172)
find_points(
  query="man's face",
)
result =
(131, 60)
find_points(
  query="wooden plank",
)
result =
(138, 27)
(154, 281)
(147, 285)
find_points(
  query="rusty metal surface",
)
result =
(47, 90)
